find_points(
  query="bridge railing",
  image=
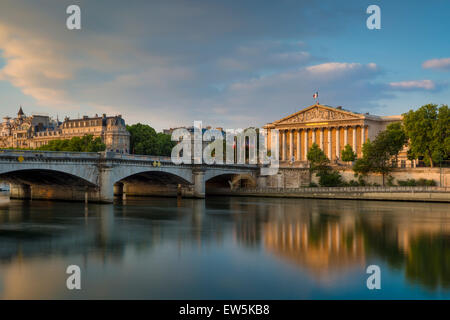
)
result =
(346, 189)
(136, 157)
(35, 154)
(48, 154)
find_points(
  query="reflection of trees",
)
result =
(429, 261)
(323, 237)
(421, 248)
(382, 241)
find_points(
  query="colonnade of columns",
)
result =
(305, 137)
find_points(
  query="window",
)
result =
(403, 163)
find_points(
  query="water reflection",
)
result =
(224, 248)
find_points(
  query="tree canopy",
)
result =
(145, 140)
(428, 130)
(86, 143)
(320, 164)
(378, 155)
(317, 158)
(348, 154)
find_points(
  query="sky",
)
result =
(230, 63)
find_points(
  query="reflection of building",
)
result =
(37, 130)
(331, 128)
(321, 251)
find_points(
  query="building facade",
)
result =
(331, 129)
(37, 130)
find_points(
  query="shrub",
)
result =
(353, 183)
(313, 185)
(390, 181)
(329, 178)
(361, 181)
(419, 182)
(407, 183)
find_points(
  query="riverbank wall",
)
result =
(421, 194)
(296, 177)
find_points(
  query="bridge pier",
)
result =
(199, 184)
(119, 189)
(20, 191)
(105, 193)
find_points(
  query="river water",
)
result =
(224, 248)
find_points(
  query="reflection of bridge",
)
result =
(97, 176)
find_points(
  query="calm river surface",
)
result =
(224, 248)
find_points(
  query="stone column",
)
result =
(291, 144)
(345, 136)
(338, 143)
(363, 138)
(329, 144)
(199, 184)
(313, 135)
(299, 138)
(354, 138)
(363, 134)
(283, 145)
(321, 139)
(305, 145)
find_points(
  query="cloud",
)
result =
(437, 64)
(158, 61)
(427, 85)
(169, 63)
(267, 98)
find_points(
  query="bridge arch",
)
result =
(230, 180)
(180, 174)
(49, 174)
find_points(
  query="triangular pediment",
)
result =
(316, 113)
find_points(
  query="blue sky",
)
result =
(227, 63)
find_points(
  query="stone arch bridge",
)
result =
(82, 176)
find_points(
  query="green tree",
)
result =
(317, 158)
(363, 166)
(348, 154)
(428, 130)
(319, 163)
(86, 143)
(145, 140)
(378, 155)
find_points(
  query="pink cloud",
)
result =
(412, 85)
(438, 64)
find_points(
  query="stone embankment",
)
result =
(424, 194)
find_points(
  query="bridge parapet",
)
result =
(50, 155)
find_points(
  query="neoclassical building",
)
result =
(330, 128)
(37, 130)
